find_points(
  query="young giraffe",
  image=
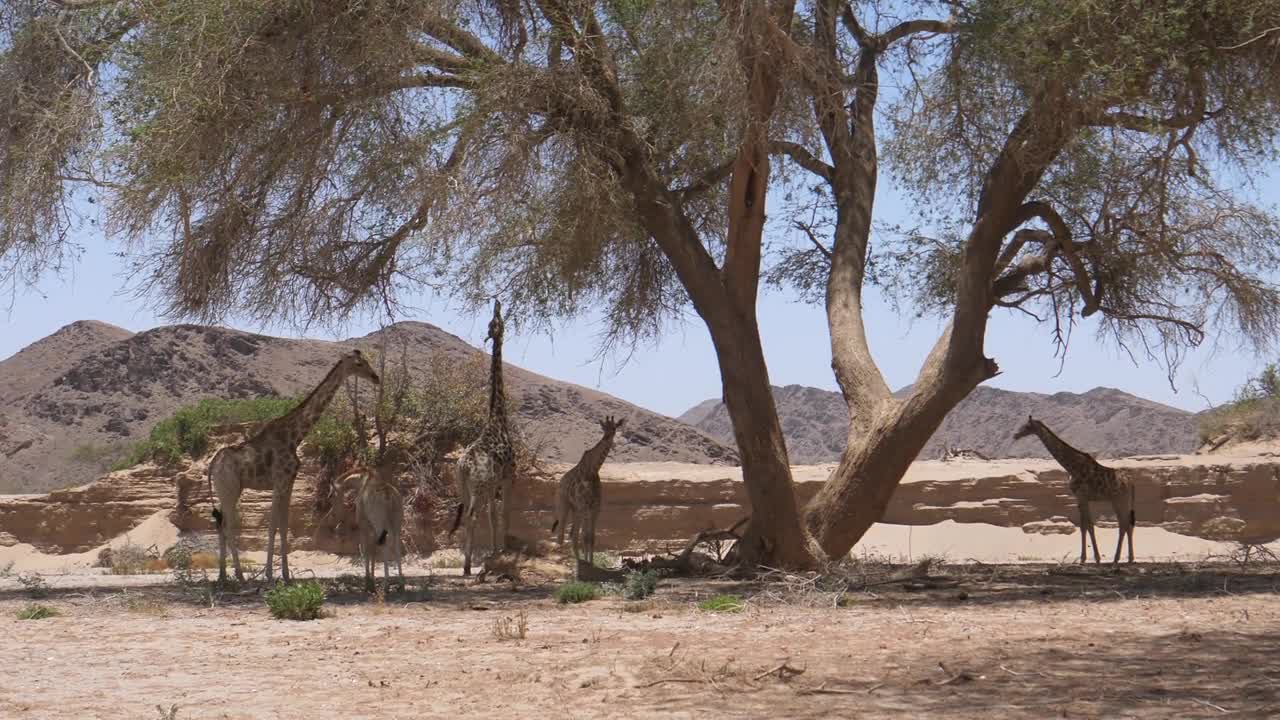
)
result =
(380, 509)
(1089, 481)
(579, 498)
(487, 467)
(269, 461)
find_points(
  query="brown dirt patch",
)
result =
(1153, 641)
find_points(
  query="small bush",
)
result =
(576, 592)
(129, 559)
(178, 556)
(640, 584)
(722, 604)
(604, 561)
(37, 612)
(511, 628)
(637, 607)
(300, 601)
(34, 584)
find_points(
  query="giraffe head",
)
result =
(495, 325)
(354, 363)
(609, 425)
(1028, 428)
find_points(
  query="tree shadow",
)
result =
(980, 584)
(1180, 675)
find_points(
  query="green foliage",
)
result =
(34, 611)
(576, 592)
(186, 432)
(1254, 414)
(299, 601)
(640, 584)
(722, 604)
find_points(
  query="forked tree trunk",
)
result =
(875, 460)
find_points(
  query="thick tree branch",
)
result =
(707, 180)
(802, 157)
(914, 27)
(1062, 236)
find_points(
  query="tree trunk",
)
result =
(859, 490)
(774, 536)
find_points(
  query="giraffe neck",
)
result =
(497, 393)
(1069, 457)
(594, 457)
(299, 421)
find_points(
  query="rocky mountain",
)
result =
(72, 401)
(1104, 421)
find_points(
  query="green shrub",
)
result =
(640, 584)
(36, 612)
(300, 601)
(576, 592)
(722, 604)
(186, 432)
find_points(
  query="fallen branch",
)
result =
(784, 671)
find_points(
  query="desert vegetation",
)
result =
(1253, 414)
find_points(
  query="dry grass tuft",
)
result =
(511, 627)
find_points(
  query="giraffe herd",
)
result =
(485, 471)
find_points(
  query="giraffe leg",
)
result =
(508, 474)
(386, 567)
(1122, 525)
(495, 526)
(590, 539)
(271, 537)
(399, 567)
(228, 534)
(1084, 532)
(283, 525)
(1093, 538)
(575, 534)
(222, 549)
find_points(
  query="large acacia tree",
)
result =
(302, 160)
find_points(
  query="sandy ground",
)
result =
(1024, 641)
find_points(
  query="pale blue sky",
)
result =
(681, 370)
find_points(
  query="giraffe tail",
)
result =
(217, 517)
(555, 525)
(382, 539)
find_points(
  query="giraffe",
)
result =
(380, 508)
(1090, 481)
(487, 467)
(269, 461)
(579, 498)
